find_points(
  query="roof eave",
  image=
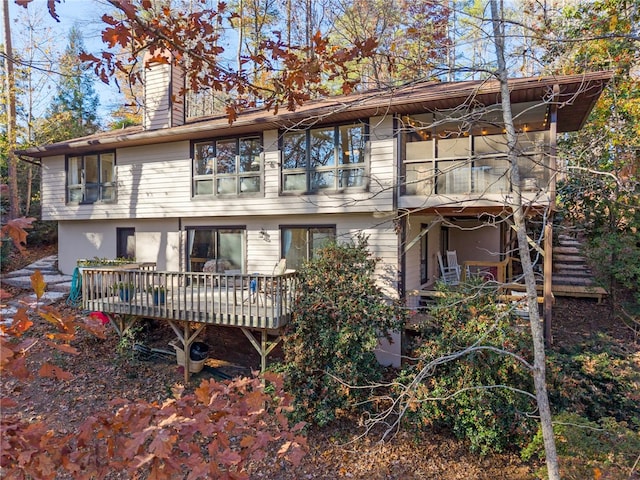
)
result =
(579, 93)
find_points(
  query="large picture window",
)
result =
(443, 156)
(224, 245)
(228, 166)
(300, 243)
(91, 178)
(324, 158)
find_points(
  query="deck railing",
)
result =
(483, 175)
(240, 300)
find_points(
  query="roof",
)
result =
(577, 95)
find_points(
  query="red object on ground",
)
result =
(100, 316)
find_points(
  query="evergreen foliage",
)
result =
(340, 315)
(473, 394)
(602, 191)
(73, 110)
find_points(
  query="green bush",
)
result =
(471, 394)
(339, 316)
(585, 447)
(595, 379)
(43, 233)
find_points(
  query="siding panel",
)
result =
(155, 182)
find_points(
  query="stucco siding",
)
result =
(156, 241)
(161, 241)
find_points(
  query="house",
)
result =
(420, 169)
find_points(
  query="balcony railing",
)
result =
(249, 301)
(481, 176)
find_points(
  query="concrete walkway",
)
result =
(58, 286)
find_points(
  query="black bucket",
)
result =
(199, 351)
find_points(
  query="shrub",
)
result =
(596, 378)
(43, 233)
(473, 394)
(339, 316)
(587, 449)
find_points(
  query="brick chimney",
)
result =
(163, 105)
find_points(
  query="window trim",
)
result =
(217, 228)
(238, 176)
(439, 162)
(307, 228)
(82, 185)
(424, 254)
(309, 170)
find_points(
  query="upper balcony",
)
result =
(454, 162)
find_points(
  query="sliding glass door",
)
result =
(224, 245)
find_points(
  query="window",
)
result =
(91, 178)
(229, 166)
(299, 243)
(445, 155)
(325, 158)
(225, 245)
(126, 243)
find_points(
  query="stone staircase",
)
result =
(571, 274)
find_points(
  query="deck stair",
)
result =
(571, 274)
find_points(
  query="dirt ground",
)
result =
(101, 374)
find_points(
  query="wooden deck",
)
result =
(190, 301)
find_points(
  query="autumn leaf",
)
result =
(296, 454)
(63, 347)
(255, 402)
(94, 326)
(51, 371)
(38, 284)
(15, 229)
(141, 460)
(18, 368)
(162, 444)
(7, 403)
(247, 441)
(6, 352)
(21, 323)
(228, 457)
(64, 337)
(203, 393)
(176, 390)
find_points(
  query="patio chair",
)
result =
(519, 304)
(452, 261)
(264, 289)
(450, 275)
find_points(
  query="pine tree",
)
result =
(73, 110)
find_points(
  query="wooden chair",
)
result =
(270, 288)
(450, 275)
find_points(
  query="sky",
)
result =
(86, 15)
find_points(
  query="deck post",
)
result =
(548, 282)
(121, 323)
(186, 339)
(264, 348)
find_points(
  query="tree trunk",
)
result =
(14, 199)
(537, 333)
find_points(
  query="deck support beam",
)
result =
(264, 348)
(121, 323)
(547, 288)
(186, 337)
